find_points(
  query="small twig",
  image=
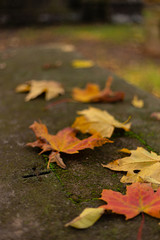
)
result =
(58, 102)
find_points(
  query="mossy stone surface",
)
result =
(37, 207)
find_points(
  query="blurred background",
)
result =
(125, 34)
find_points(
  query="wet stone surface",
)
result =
(36, 203)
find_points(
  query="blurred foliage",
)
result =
(145, 76)
(118, 34)
(97, 41)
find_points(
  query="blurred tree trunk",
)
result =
(152, 30)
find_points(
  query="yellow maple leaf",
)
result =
(51, 88)
(138, 103)
(147, 164)
(94, 120)
(87, 94)
(82, 63)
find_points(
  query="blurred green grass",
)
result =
(145, 76)
(113, 33)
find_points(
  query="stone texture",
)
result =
(37, 207)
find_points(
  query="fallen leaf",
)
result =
(92, 93)
(64, 141)
(87, 218)
(35, 88)
(67, 48)
(3, 65)
(138, 103)
(48, 66)
(139, 197)
(82, 64)
(156, 115)
(61, 47)
(94, 120)
(125, 150)
(147, 164)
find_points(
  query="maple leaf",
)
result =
(148, 165)
(35, 88)
(92, 93)
(139, 197)
(94, 120)
(48, 66)
(138, 103)
(82, 63)
(64, 141)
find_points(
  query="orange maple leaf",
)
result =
(64, 141)
(140, 197)
(92, 93)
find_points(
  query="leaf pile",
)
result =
(92, 93)
(35, 88)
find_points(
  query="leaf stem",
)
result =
(139, 235)
(64, 100)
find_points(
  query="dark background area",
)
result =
(29, 12)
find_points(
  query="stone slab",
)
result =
(37, 207)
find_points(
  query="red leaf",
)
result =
(139, 198)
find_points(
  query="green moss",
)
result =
(134, 135)
(114, 175)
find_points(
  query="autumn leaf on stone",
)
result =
(35, 88)
(137, 103)
(139, 198)
(125, 150)
(62, 47)
(92, 93)
(147, 164)
(94, 120)
(64, 141)
(87, 218)
(66, 47)
(156, 115)
(54, 65)
(82, 63)
(3, 65)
